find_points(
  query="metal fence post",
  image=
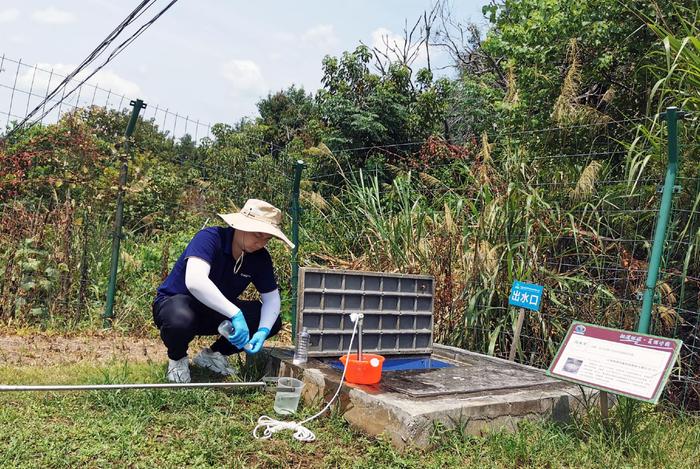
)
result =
(298, 167)
(117, 233)
(672, 115)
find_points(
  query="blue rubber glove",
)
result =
(257, 341)
(241, 334)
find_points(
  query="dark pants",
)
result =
(181, 317)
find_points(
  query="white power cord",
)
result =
(301, 433)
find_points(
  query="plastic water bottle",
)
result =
(226, 329)
(301, 353)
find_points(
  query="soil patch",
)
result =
(39, 349)
(45, 349)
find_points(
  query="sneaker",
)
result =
(213, 361)
(179, 371)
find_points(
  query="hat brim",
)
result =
(243, 223)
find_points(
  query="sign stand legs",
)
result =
(603, 398)
(516, 336)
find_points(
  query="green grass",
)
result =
(212, 428)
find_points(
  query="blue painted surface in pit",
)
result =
(404, 364)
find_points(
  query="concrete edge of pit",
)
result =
(409, 421)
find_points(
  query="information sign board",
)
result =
(622, 362)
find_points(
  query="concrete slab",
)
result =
(480, 393)
(474, 375)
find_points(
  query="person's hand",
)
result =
(240, 334)
(257, 341)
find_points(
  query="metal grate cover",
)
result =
(398, 311)
(475, 376)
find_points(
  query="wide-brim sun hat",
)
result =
(258, 216)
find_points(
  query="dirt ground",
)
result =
(98, 347)
(20, 350)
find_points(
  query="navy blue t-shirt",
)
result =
(213, 245)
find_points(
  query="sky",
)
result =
(209, 60)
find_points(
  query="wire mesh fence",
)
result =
(581, 223)
(55, 236)
(24, 86)
(572, 208)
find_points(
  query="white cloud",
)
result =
(53, 15)
(9, 15)
(381, 37)
(109, 80)
(245, 77)
(105, 79)
(322, 36)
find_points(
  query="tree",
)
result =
(287, 114)
(534, 47)
(363, 110)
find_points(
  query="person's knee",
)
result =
(181, 320)
(179, 316)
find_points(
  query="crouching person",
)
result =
(203, 287)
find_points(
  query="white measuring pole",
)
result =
(102, 387)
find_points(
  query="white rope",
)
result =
(301, 433)
(272, 426)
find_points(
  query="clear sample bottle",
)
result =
(226, 330)
(301, 352)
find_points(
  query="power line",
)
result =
(131, 17)
(114, 53)
(88, 60)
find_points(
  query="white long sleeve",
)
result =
(200, 285)
(270, 308)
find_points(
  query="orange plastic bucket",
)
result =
(367, 371)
